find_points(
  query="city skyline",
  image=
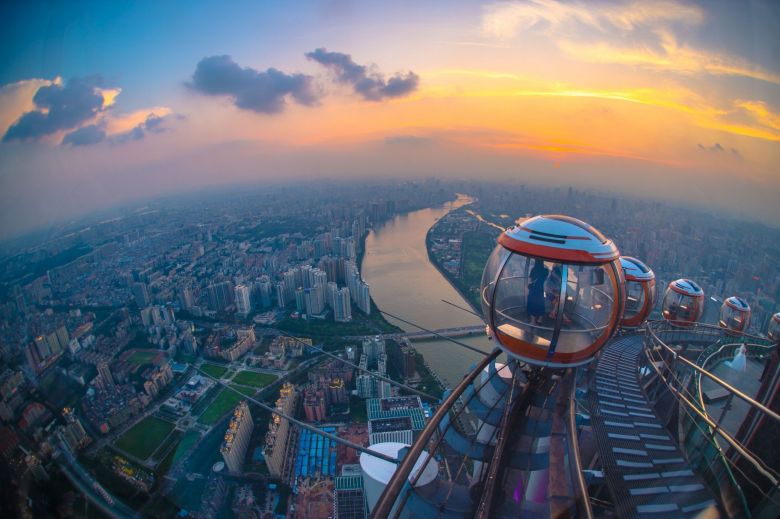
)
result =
(217, 354)
(103, 105)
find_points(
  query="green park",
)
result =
(145, 437)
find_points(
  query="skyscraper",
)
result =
(186, 298)
(366, 386)
(237, 437)
(243, 303)
(264, 291)
(220, 295)
(281, 295)
(372, 347)
(278, 436)
(363, 298)
(330, 295)
(314, 300)
(141, 295)
(105, 373)
(290, 284)
(342, 311)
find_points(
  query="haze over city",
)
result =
(104, 103)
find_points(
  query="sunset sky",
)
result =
(107, 102)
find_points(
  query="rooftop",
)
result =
(397, 423)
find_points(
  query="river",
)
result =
(405, 283)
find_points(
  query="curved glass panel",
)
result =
(588, 307)
(733, 319)
(681, 307)
(526, 299)
(651, 294)
(492, 267)
(546, 303)
(635, 299)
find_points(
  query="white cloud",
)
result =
(506, 20)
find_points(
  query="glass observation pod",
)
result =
(773, 332)
(552, 291)
(640, 292)
(734, 314)
(683, 302)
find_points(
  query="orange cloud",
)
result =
(109, 95)
(506, 19)
(121, 123)
(674, 58)
(17, 99)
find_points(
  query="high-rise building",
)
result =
(366, 386)
(330, 295)
(383, 389)
(33, 357)
(320, 277)
(342, 311)
(307, 276)
(62, 337)
(372, 347)
(186, 298)
(42, 348)
(300, 300)
(220, 295)
(237, 437)
(74, 435)
(337, 391)
(105, 373)
(141, 295)
(277, 439)
(315, 405)
(243, 302)
(245, 341)
(54, 343)
(146, 317)
(407, 360)
(314, 300)
(363, 298)
(264, 291)
(329, 265)
(281, 294)
(291, 282)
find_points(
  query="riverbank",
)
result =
(377, 315)
(406, 283)
(461, 289)
(401, 278)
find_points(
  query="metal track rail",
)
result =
(401, 475)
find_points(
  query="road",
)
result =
(459, 331)
(86, 484)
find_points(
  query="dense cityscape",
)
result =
(136, 348)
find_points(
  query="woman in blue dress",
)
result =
(536, 280)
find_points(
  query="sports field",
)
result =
(144, 437)
(140, 357)
(214, 370)
(224, 402)
(250, 378)
(244, 390)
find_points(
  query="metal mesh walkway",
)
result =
(647, 474)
